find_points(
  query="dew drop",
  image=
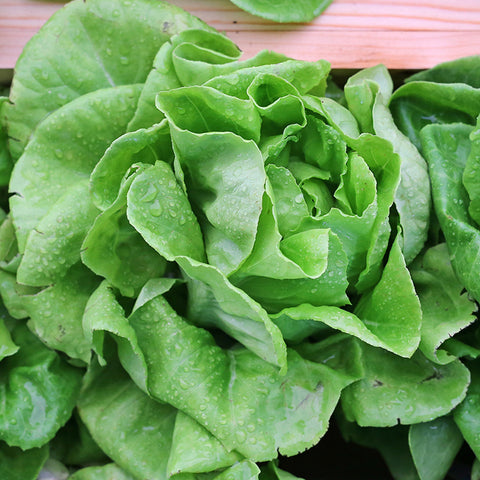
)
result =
(156, 209)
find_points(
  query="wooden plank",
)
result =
(402, 34)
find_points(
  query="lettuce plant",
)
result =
(206, 260)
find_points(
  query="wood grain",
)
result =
(402, 34)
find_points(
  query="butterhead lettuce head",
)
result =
(206, 256)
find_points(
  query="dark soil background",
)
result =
(335, 459)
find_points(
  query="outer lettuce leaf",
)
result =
(422, 451)
(53, 246)
(446, 148)
(73, 444)
(7, 346)
(208, 454)
(138, 441)
(245, 469)
(446, 310)
(56, 312)
(434, 446)
(12, 294)
(261, 412)
(18, 464)
(38, 391)
(475, 470)
(62, 153)
(420, 103)
(398, 390)
(84, 47)
(339, 352)
(142, 442)
(462, 70)
(270, 471)
(284, 11)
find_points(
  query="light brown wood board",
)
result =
(351, 34)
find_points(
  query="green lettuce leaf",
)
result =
(86, 47)
(446, 148)
(61, 154)
(372, 88)
(145, 441)
(284, 11)
(38, 392)
(420, 103)
(434, 446)
(467, 414)
(56, 312)
(446, 310)
(18, 464)
(145, 146)
(470, 175)
(114, 250)
(5, 159)
(397, 390)
(192, 373)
